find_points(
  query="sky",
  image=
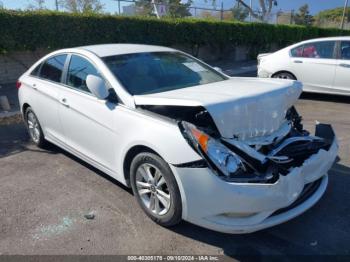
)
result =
(284, 5)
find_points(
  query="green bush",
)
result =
(21, 30)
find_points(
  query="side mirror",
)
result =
(218, 69)
(97, 86)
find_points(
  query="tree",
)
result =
(239, 12)
(144, 8)
(331, 17)
(82, 6)
(178, 9)
(264, 13)
(303, 16)
(334, 15)
(37, 5)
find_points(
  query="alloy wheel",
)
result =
(33, 126)
(153, 189)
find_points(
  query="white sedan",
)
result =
(229, 154)
(323, 65)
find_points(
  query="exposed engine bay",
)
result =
(260, 159)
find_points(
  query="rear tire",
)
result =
(34, 128)
(284, 75)
(155, 189)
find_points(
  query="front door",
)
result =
(88, 122)
(342, 74)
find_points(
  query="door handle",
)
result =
(64, 102)
(298, 61)
(345, 65)
(35, 87)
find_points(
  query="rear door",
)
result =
(314, 64)
(342, 74)
(87, 121)
(46, 83)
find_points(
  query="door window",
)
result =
(36, 70)
(345, 50)
(52, 68)
(324, 49)
(78, 70)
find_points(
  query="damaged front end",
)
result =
(260, 159)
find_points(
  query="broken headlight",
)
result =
(218, 155)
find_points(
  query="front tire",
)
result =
(34, 129)
(155, 189)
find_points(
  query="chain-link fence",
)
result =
(132, 7)
(208, 10)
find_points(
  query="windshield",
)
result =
(145, 73)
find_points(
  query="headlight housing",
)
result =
(220, 158)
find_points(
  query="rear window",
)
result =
(52, 68)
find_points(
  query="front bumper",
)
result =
(210, 202)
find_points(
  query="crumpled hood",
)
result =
(240, 107)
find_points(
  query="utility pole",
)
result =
(222, 11)
(250, 15)
(344, 12)
(56, 3)
(155, 8)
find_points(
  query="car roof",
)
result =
(104, 50)
(334, 38)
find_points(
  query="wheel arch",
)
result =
(24, 108)
(130, 155)
(284, 71)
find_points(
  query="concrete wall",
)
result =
(14, 64)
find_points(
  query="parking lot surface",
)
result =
(46, 194)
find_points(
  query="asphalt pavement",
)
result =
(45, 196)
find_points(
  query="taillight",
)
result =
(18, 84)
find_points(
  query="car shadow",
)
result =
(326, 97)
(53, 148)
(15, 139)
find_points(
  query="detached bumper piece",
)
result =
(326, 132)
